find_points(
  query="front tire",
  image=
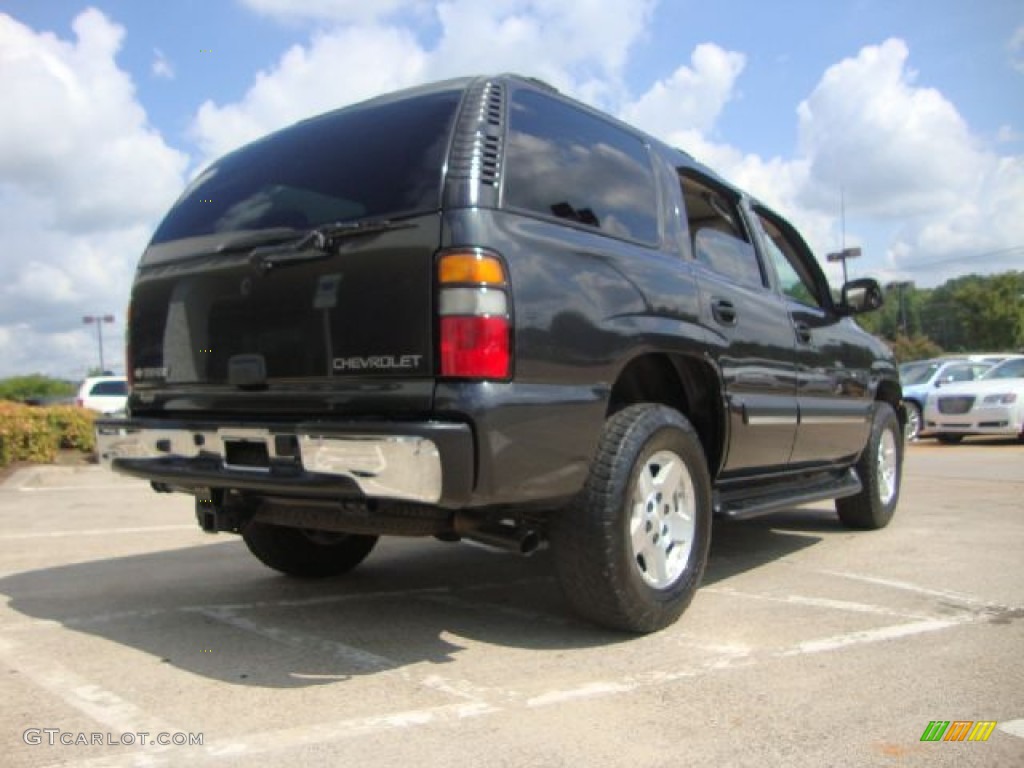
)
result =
(631, 549)
(304, 553)
(913, 430)
(880, 469)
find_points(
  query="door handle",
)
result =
(803, 332)
(724, 311)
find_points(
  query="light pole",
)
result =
(900, 287)
(99, 320)
(843, 255)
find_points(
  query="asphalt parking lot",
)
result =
(808, 645)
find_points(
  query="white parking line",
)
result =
(816, 602)
(95, 532)
(871, 636)
(585, 691)
(1013, 727)
(102, 705)
(359, 660)
(285, 739)
(907, 586)
(66, 488)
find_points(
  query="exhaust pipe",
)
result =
(510, 537)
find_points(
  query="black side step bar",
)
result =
(740, 503)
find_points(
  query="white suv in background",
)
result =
(105, 394)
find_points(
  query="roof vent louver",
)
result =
(476, 153)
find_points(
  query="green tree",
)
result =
(34, 385)
(918, 347)
(977, 314)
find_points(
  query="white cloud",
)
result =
(693, 97)
(895, 148)
(982, 231)
(909, 166)
(84, 178)
(330, 10)
(581, 48)
(923, 194)
(162, 66)
(1017, 49)
(297, 87)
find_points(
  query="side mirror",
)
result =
(861, 295)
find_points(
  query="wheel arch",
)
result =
(889, 392)
(688, 384)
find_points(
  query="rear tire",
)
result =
(631, 549)
(306, 554)
(880, 469)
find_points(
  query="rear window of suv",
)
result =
(369, 161)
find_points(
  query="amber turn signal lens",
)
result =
(470, 267)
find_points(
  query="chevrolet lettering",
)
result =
(377, 362)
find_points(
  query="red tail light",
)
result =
(473, 302)
(475, 347)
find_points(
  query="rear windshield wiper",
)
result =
(319, 243)
(244, 242)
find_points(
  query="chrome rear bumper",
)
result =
(397, 465)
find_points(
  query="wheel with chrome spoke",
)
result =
(913, 429)
(631, 549)
(664, 519)
(880, 470)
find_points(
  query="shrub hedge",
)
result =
(28, 433)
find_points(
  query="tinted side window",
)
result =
(720, 240)
(1013, 369)
(368, 161)
(564, 162)
(109, 388)
(959, 373)
(795, 279)
(727, 255)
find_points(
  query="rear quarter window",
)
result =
(109, 388)
(564, 162)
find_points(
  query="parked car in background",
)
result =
(104, 394)
(925, 376)
(992, 405)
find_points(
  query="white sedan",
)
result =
(991, 405)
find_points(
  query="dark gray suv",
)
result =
(479, 309)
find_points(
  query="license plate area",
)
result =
(246, 454)
(247, 450)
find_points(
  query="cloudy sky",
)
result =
(913, 108)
